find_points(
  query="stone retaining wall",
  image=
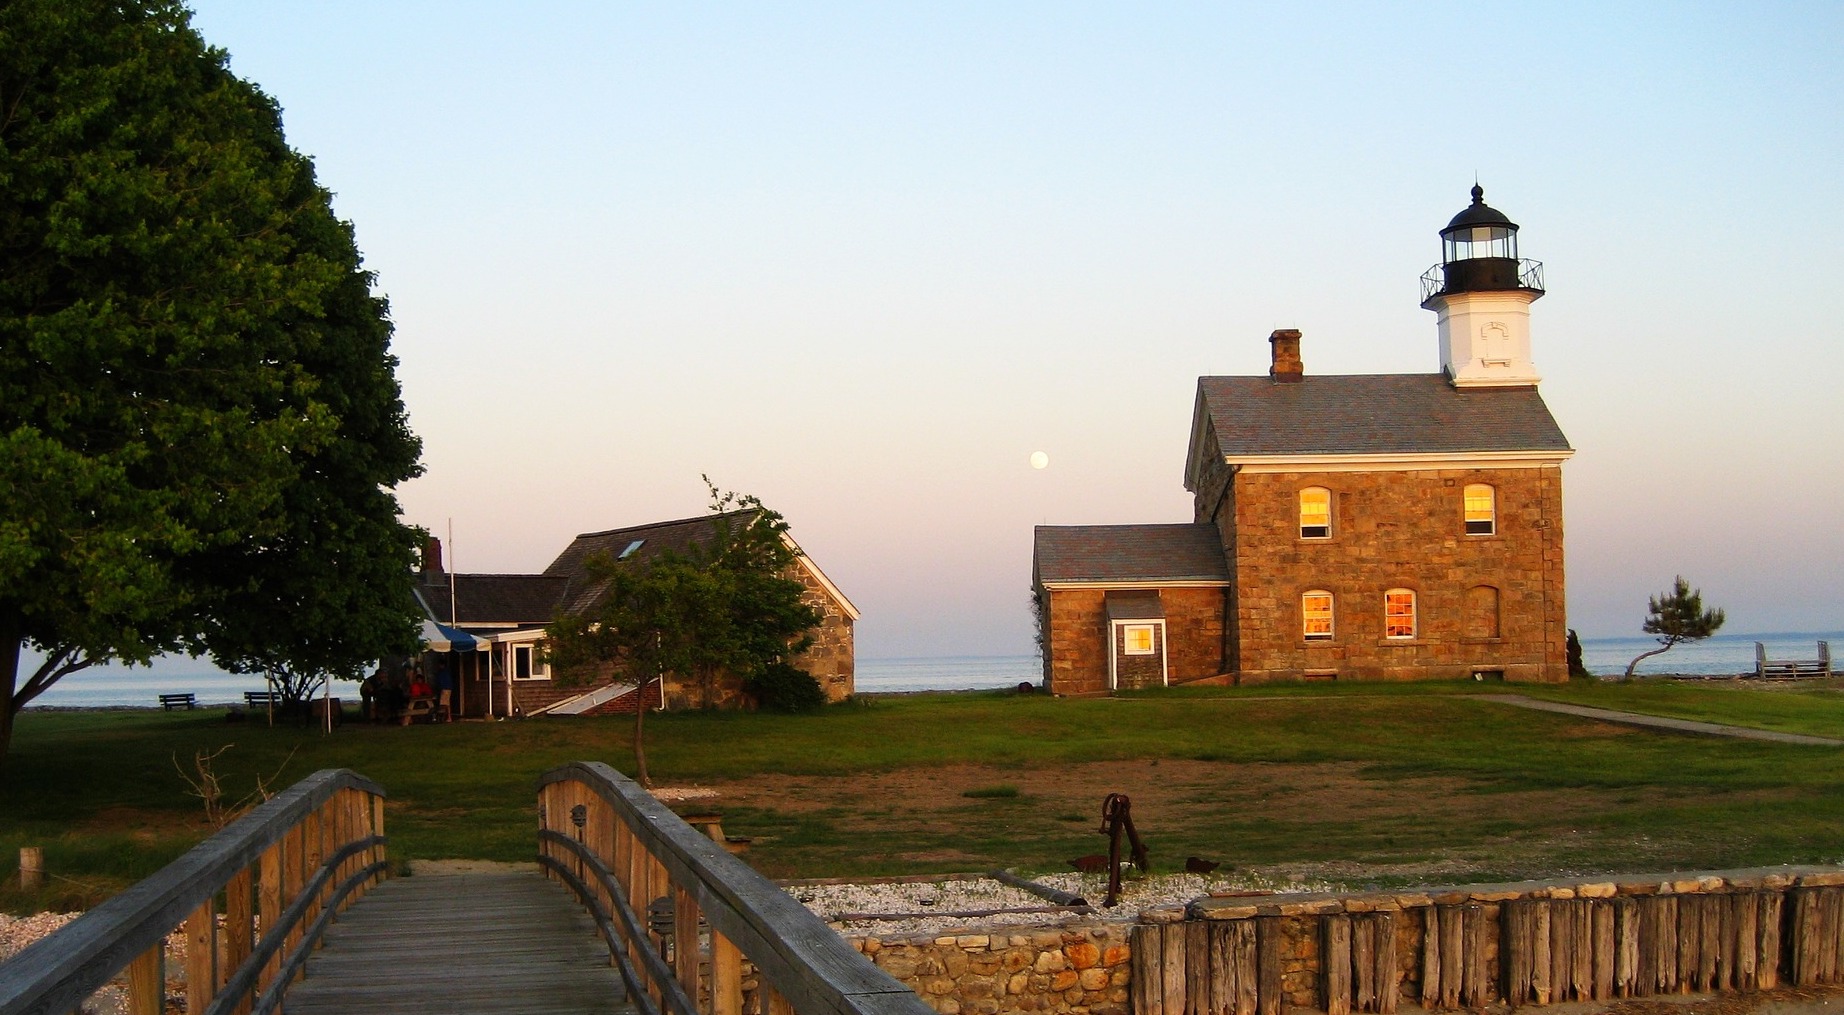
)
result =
(1443, 948)
(1079, 968)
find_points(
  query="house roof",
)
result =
(649, 541)
(1129, 554)
(1364, 414)
(1133, 606)
(492, 599)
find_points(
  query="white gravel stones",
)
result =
(828, 901)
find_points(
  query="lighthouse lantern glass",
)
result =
(1470, 242)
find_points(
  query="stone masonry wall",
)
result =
(1401, 530)
(1076, 644)
(832, 657)
(1079, 969)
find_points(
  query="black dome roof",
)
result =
(1479, 214)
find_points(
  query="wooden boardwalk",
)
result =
(501, 942)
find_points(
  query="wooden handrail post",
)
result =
(201, 955)
(239, 917)
(269, 903)
(147, 982)
(376, 853)
(293, 850)
(685, 940)
(726, 976)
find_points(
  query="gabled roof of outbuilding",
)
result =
(492, 599)
(1367, 414)
(1128, 554)
(681, 537)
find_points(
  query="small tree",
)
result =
(725, 606)
(1677, 616)
(1577, 668)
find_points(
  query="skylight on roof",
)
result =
(631, 547)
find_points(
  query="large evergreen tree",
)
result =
(199, 422)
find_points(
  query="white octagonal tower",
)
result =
(1482, 293)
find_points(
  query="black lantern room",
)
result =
(1479, 254)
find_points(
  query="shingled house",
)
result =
(1397, 526)
(503, 671)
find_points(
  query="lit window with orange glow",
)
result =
(1138, 639)
(1315, 513)
(1316, 616)
(1399, 614)
(1481, 510)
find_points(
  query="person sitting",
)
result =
(419, 688)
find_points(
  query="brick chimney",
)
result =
(1285, 365)
(432, 556)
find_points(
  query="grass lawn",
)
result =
(1385, 784)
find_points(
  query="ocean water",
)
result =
(115, 686)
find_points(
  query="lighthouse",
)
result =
(1481, 293)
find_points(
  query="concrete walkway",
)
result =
(1658, 722)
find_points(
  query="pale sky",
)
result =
(862, 260)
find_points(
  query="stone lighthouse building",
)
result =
(1346, 526)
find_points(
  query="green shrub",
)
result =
(780, 687)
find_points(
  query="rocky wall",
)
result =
(1079, 968)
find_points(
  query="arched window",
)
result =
(1481, 510)
(1482, 612)
(1399, 613)
(1316, 615)
(1315, 513)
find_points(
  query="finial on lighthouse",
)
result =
(1478, 193)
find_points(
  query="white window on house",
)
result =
(1138, 639)
(1399, 614)
(631, 547)
(1316, 615)
(1315, 513)
(529, 664)
(1481, 510)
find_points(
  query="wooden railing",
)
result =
(652, 883)
(282, 870)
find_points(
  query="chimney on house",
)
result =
(432, 556)
(1285, 365)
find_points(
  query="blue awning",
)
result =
(442, 638)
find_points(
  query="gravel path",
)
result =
(1659, 722)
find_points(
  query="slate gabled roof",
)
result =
(1114, 554)
(492, 598)
(679, 537)
(1365, 414)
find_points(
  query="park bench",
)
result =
(261, 699)
(169, 702)
(1789, 669)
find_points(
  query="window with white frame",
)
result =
(1137, 639)
(1316, 615)
(1481, 510)
(1399, 613)
(1315, 513)
(528, 663)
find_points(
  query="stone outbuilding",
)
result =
(504, 671)
(1392, 526)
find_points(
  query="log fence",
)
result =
(282, 870)
(684, 919)
(1532, 944)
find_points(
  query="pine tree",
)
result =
(1677, 616)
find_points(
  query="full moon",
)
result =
(1039, 460)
